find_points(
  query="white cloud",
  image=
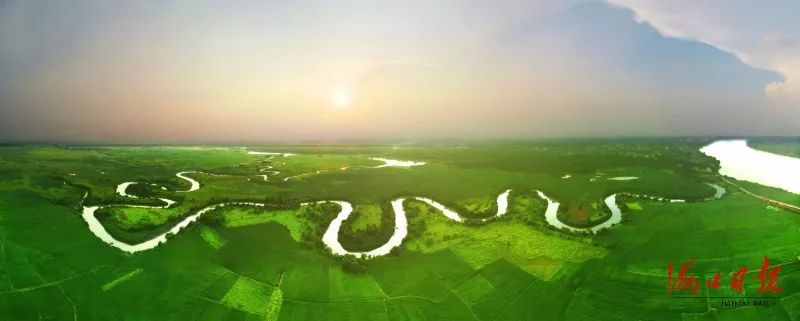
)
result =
(760, 33)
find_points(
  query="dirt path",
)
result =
(778, 204)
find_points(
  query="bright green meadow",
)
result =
(269, 263)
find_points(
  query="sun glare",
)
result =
(342, 97)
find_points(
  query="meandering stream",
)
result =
(195, 184)
(331, 236)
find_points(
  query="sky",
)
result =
(266, 71)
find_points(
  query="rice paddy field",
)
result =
(242, 262)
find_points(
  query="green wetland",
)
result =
(264, 254)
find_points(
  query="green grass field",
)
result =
(269, 263)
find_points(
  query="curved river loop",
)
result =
(331, 236)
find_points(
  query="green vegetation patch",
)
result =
(250, 296)
(273, 310)
(478, 207)
(346, 286)
(582, 212)
(308, 282)
(472, 290)
(368, 227)
(236, 217)
(212, 237)
(534, 250)
(126, 277)
(365, 217)
(636, 206)
(273, 264)
(136, 218)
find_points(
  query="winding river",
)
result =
(195, 184)
(331, 236)
(99, 230)
(551, 215)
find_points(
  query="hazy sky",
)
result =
(211, 71)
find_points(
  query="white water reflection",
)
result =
(744, 163)
(122, 188)
(195, 184)
(551, 215)
(623, 178)
(396, 163)
(97, 228)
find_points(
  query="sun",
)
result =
(342, 97)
